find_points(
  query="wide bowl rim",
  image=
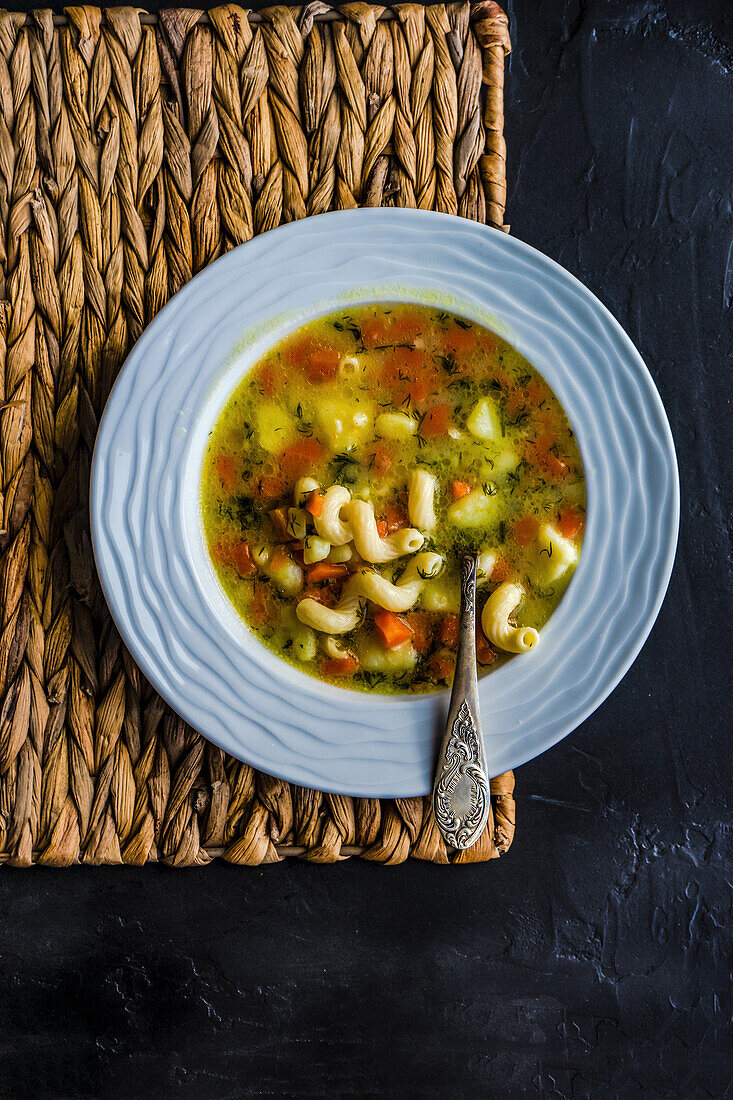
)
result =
(352, 221)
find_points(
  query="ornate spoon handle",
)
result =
(461, 795)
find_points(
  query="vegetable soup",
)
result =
(352, 466)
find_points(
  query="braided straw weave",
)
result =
(133, 151)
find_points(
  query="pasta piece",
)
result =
(405, 592)
(367, 540)
(341, 619)
(286, 573)
(349, 364)
(556, 554)
(495, 620)
(336, 650)
(395, 426)
(329, 524)
(304, 486)
(421, 500)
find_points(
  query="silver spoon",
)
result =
(462, 795)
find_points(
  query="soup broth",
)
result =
(354, 464)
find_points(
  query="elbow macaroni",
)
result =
(367, 584)
(368, 542)
(495, 620)
(405, 592)
(329, 524)
(341, 619)
(421, 500)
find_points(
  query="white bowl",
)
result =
(145, 511)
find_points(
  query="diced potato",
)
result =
(483, 420)
(315, 549)
(297, 523)
(485, 566)
(344, 424)
(339, 554)
(288, 577)
(506, 461)
(555, 554)
(304, 639)
(304, 643)
(395, 426)
(375, 657)
(476, 509)
(275, 427)
(441, 595)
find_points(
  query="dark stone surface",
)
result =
(593, 961)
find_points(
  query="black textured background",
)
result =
(594, 959)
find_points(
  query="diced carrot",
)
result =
(571, 522)
(545, 422)
(485, 652)
(279, 558)
(448, 631)
(460, 489)
(524, 530)
(407, 328)
(297, 353)
(261, 607)
(339, 666)
(270, 379)
(382, 528)
(241, 558)
(500, 572)
(515, 402)
(534, 393)
(435, 421)
(224, 465)
(323, 364)
(395, 517)
(220, 551)
(441, 665)
(374, 333)
(422, 630)
(279, 517)
(380, 459)
(501, 378)
(325, 571)
(394, 631)
(314, 503)
(416, 391)
(328, 595)
(300, 457)
(296, 553)
(269, 487)
(555, 466)
(459, 339)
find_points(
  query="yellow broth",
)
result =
(327, 402)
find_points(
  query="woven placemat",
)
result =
(133, 151)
